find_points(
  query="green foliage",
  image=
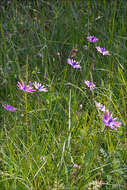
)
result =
(48, 134)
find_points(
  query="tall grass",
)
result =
(49, 142)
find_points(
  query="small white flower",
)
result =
(100, 107)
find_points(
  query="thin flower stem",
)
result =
(27, 68)
(69, 127)
(26, 113)
(26, 103)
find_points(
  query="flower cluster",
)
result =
(94, 39)
(107, 117)
(29, 88)
(108, 120)
(26, 88)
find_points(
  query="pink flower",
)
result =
(103, 51)
(92, 39)
(110, 122)
(9, 107)
(90, 84)
(39, 87)
(73, 63)
(25, 88)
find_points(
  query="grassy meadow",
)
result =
(58, 140)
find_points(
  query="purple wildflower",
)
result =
(9, 107)
(90, 84)
(25, 88)
(103, 51)
(39, 87)
(110, 122)
(73, 63)
(100, 107)
(92, 39)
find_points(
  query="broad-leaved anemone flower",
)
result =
(92, 39)
(25, 88)
(9, 107)
(90, 84)
(103, 51)
(100, 107)
(73, 63)
(110, 122)
(39, 87)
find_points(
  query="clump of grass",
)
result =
(57, 139)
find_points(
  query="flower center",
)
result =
(39, 87)
(9, 107)
(110, 120)
(74, 63)
(103, 49)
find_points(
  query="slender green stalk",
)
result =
(69, 122)
(58, 139)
